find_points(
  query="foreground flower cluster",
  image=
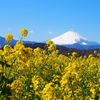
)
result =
(37, 74)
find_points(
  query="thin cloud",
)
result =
(50, 32)
(31, 31)
(72, 29)
(9, 29)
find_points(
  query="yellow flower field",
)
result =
(37, 74)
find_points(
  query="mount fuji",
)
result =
(72, 39)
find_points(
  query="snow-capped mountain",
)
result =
(70, 38)
(74, 40)
(13, 42)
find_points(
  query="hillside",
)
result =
(64, 50)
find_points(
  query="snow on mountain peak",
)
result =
(69, 37)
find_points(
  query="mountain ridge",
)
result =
(69, 39)
(13, 42)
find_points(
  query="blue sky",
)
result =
(47, 19)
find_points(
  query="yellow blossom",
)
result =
(92, 90)
(19, 42)
(49, 42)
(52, 47)
(24, 32)
(9, 37)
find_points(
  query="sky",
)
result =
(47, 19)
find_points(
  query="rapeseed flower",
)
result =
(92, 90)
(19, 42)
(49, 42)
(9, 37)
(24, 32)
(52, 47)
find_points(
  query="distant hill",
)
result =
(13, 42)
(64, 50)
